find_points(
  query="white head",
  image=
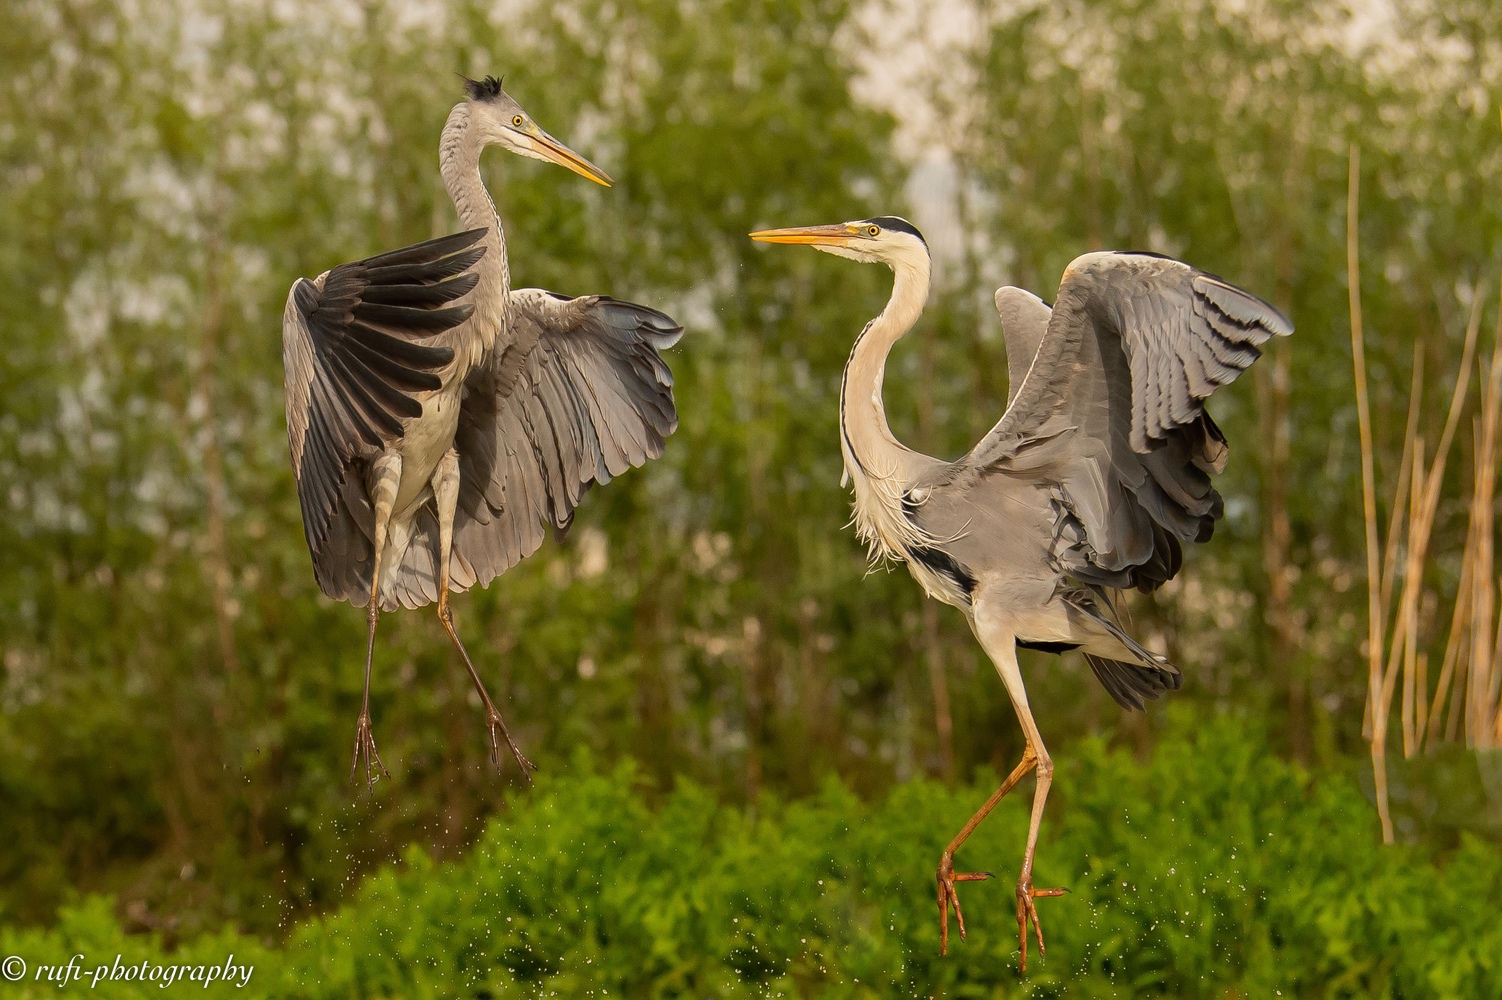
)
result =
(885, 239)
(500, 121)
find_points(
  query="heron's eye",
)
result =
(873, 230)
(517, 121)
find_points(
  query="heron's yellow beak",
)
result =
(840, 234)
(551, 149)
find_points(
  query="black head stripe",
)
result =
(487, 89)
(898, 225)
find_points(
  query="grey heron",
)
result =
(437, 417)
(1095, 474)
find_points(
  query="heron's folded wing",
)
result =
(1111, 408)
(356, 344)
(577, 396)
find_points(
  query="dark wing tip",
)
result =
(428, 251)
(305, 294)
(1241, 305)
(652, 325)
(661, 331)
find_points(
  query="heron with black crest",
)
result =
(438, 418)
(1095, 475)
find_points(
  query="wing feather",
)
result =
(1024, 321)
(1112, 409)
(580, 395)
(356, 346)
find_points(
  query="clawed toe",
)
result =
(1028, 913)
(947, 877)
(365, 748)
(498, 733)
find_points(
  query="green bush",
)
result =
(1213, 869)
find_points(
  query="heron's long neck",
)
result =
(868, 440)
(459, 162)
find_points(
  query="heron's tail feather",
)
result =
(1131, 685)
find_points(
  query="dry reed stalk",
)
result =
(1423, 508)
(1457, 398)
(1460, 622)
(1457, 646)
(1455, 661)
(1458, 698)
(1461, 685)
(1404, 642)
(1405, 470)
(1422, 709)
(1493, 703)
(1368, 499)
(1496, 698)
(1414, 572)
(1482, 590)
(1496, 662)
(1479, 721)
(1393, 545)
(1403, 625)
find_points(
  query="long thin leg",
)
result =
(947, 876)
(446, 497)
(1000, 644)
(1002, 648)
(385, 477)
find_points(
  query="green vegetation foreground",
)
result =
(1212, 869)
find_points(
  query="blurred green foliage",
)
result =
(1213, 869)
(178, 702)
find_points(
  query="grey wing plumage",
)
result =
(1024, 321)
(1111, 411)
(357, 358)
(579, 395)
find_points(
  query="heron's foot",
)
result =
(365, 748)
(948, 897)
(1028, 913)
(498, 734)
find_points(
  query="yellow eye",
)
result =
(873, 230)
(517, 121)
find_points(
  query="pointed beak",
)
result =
(551, 149)
(839, 234)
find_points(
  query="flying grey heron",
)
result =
(1097, 471)
(437, 417)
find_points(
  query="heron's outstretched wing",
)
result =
(355, 344)
(1111, 410)
(1024, 321)
(578, 396)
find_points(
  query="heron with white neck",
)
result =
(437, 418)
(1096, 473)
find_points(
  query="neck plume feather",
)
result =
(459, 163)
(876, 462)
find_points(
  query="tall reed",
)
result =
(1396, 659)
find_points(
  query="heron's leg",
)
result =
(1002, 648)
(947, 876)
(446, 497)
(385, 477)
